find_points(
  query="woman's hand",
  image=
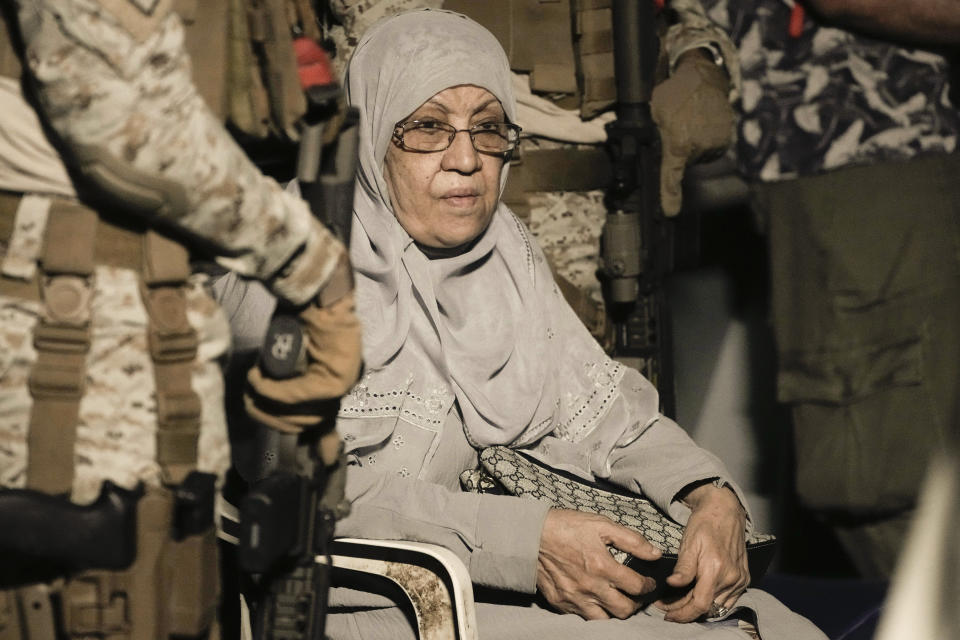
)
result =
(713, 553)
(577, 574)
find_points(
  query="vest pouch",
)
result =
(537, 36)
(192, 583)
(171, 589)
(125, 604)
(864, 307)
(10, 627)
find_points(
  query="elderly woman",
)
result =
(468, 343)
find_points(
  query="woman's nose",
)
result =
(461, 155)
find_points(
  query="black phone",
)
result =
(759, 556)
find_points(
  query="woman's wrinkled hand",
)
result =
(577, 574)
(713, 555)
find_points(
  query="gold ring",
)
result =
(717, 610)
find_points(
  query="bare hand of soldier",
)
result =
(331, 332)
(695, 120)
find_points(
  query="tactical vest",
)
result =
(565, 45)
(153, 571)
(244, 63)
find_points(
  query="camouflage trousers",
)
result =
(865, 267)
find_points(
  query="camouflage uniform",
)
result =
(116, 88)
(850, 143)
(146, 111)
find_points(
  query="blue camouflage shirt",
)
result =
(829, 98)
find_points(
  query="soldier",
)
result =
(847, 137)
(116, 173)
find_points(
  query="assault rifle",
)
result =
(285, 520)
(637, 239)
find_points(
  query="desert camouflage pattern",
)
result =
(26, 243)
(831, 98)
(356, 16)
(116, 430)
(568, 225)
(104, 87)
(17, 355)
(213, 338)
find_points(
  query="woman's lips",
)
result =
(461, 198)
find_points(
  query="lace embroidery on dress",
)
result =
(580, 414)
(427, 409)
(528, 249)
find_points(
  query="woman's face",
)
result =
(447, 198)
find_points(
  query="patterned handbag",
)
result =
(506, 471)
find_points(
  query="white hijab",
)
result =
(502, 338)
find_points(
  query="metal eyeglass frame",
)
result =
(399, 129)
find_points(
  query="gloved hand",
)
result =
(331, 333)
(695, 120)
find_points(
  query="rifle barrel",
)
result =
(634, 55)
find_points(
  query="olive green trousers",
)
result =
(865, 276)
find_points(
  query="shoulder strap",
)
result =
(173, 347)
(62, 340)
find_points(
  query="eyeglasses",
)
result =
(427, 136)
